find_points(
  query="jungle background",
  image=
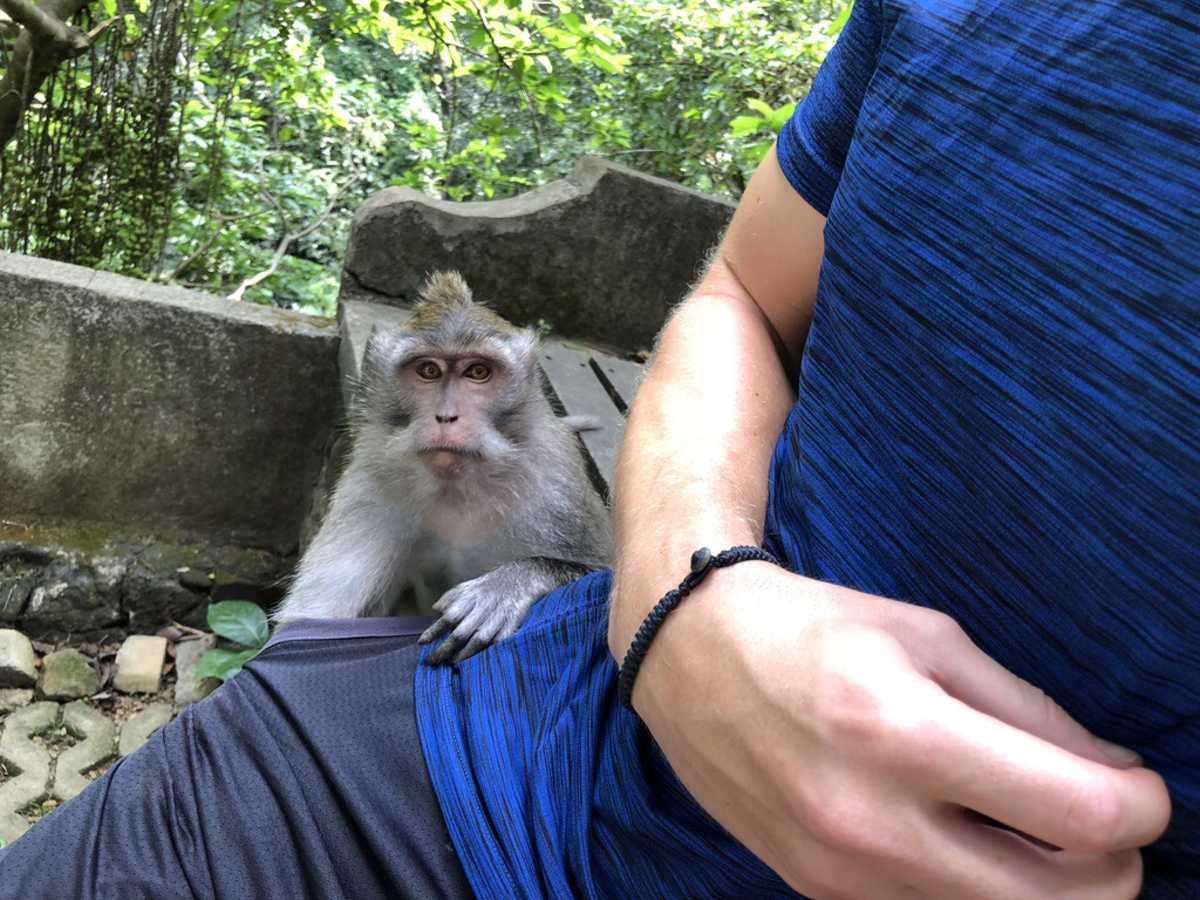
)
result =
(224, 144)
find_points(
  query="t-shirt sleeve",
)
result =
(812, 145)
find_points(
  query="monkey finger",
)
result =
(431, 633)
(443, 651)
(475, 621)
(448, 647)
(480, 640)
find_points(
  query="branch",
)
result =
(205, 245)
(503, 60)
(41, 24)
(288, 240)
(42, 45)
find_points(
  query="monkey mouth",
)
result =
(452, 449)
(448, 461)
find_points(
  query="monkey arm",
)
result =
(693, 465)
(355, 563)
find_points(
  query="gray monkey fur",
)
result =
(522, 520)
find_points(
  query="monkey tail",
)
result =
(582, 423)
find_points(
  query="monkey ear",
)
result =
(524, 345)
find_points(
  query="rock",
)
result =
(187, 655)
(72, 599)
(30, 761)
(20, 571)
(195, 579)
(14, 592)
(66, 675)
(99, 740)
(17, 667)
(14, 698)
(153, 596)
(160, 407)
(141, 725)
(561, 252)
(139, 664)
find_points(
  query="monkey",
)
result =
(463, 488)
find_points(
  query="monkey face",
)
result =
(456, 390)
(454, 409)
(455, 399)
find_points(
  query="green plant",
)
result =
(241, 623)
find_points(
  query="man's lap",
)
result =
(302, 776)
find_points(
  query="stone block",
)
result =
(141, 725)
(15, 698)
(17, 667)
(99, 742)
(136, 403)
(27, 764)
(187, 656)
(66, 675)
(139, 664)
(601, 255)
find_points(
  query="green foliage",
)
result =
(273, 120)
(243, 624)
(239, 621)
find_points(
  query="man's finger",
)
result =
(979, 681)
(975, 860)
(1037, 787)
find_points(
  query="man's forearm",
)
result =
(693, 467)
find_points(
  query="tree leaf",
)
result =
(223, 664)
(836, 26)
(761, 107)
(239, 621)
(744, 125)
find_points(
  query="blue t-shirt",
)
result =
(998, 417)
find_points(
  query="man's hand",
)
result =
(855, 744)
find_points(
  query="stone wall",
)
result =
(143, 405)
(601, 256)
(158, 448)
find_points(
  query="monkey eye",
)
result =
(428, 371)
(477, 372)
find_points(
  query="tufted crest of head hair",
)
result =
(446, 307)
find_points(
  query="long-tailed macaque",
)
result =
(462, 483)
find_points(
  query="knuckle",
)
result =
(844, 827)
(942, 628)
(1128, 880)
(464, 630)
(1094, 816)
(1048, 711)
(851, 711)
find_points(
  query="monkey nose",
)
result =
(446, 420)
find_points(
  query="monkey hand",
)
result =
(479, 612)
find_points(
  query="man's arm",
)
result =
(711, 407)
(841, 737)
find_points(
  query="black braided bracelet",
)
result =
(703, 562)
